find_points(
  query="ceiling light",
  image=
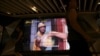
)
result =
(34, 9)
(98, 2)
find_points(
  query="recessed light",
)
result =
(34, 9)
(98, 2)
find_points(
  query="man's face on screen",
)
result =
(42, 29)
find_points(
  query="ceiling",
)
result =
(23, 8)
(88, 5)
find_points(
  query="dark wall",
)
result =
(6, 20)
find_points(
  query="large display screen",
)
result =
(46, 34)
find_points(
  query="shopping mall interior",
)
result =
(82, 16)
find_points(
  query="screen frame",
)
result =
(40, 52)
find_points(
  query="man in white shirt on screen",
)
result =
(65, 30)
(62, 35)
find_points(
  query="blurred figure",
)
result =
(18, 38)
(62, 35)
